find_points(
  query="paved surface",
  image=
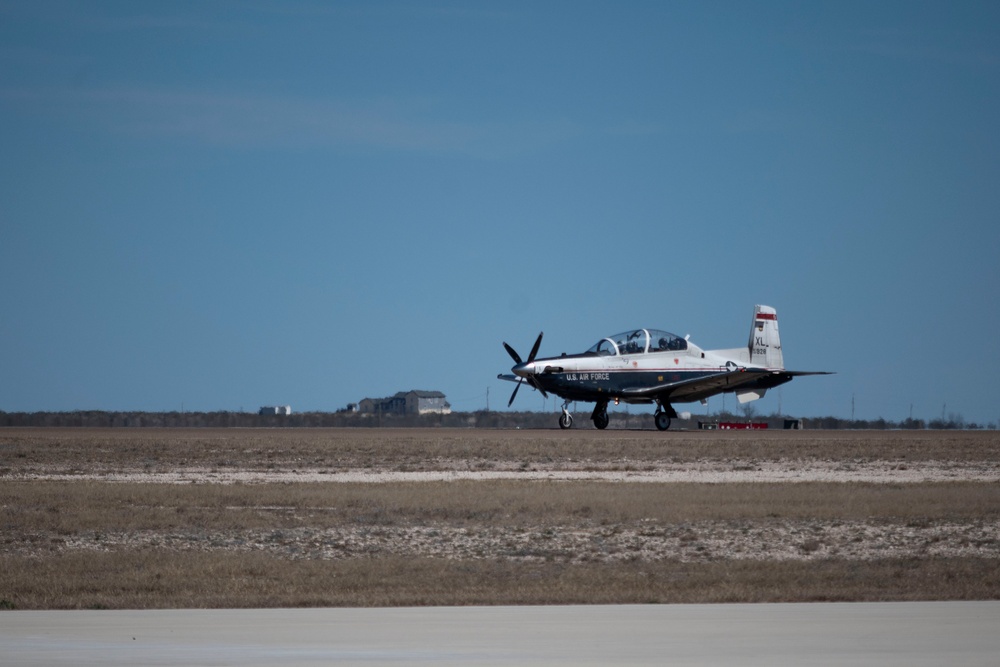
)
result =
(919, 633)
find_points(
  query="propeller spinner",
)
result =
(517, 360)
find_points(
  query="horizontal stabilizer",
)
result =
(801, 373)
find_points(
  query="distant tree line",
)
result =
(478, 419)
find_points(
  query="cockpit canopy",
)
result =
(638, 341)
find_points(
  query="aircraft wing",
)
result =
(508, 377)
(702, 387)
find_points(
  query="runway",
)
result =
(905, 633)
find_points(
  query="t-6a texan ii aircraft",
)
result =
(652, 366)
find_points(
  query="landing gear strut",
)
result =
(600, 415)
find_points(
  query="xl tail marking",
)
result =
(765, 344)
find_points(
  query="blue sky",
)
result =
(219, 205)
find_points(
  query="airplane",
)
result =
(646, 366)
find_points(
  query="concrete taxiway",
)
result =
(908, 633)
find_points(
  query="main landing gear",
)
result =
(664, 413)
(662, 420)
(600, 415)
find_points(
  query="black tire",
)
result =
(601, 420)
(662, 420)
(565, 420)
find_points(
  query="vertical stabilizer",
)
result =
(765, 345)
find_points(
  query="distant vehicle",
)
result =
(651, 366)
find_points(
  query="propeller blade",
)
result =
(513, 355)
(516, 387)
(517, 360)
(534, 349)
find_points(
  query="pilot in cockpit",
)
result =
(632, 346)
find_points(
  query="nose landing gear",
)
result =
(565, 419)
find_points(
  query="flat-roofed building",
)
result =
(414, 402)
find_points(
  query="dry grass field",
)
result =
(152, 518)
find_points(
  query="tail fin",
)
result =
(765, 345)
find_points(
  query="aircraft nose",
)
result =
(523, 370)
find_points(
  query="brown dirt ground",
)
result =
(748, 515)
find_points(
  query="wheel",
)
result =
(601, 420)
(565, 420)
(662, 420)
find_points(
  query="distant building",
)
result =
(275, 410)
(413, 402)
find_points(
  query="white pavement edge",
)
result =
(903, 633)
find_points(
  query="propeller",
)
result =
(517, 360)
